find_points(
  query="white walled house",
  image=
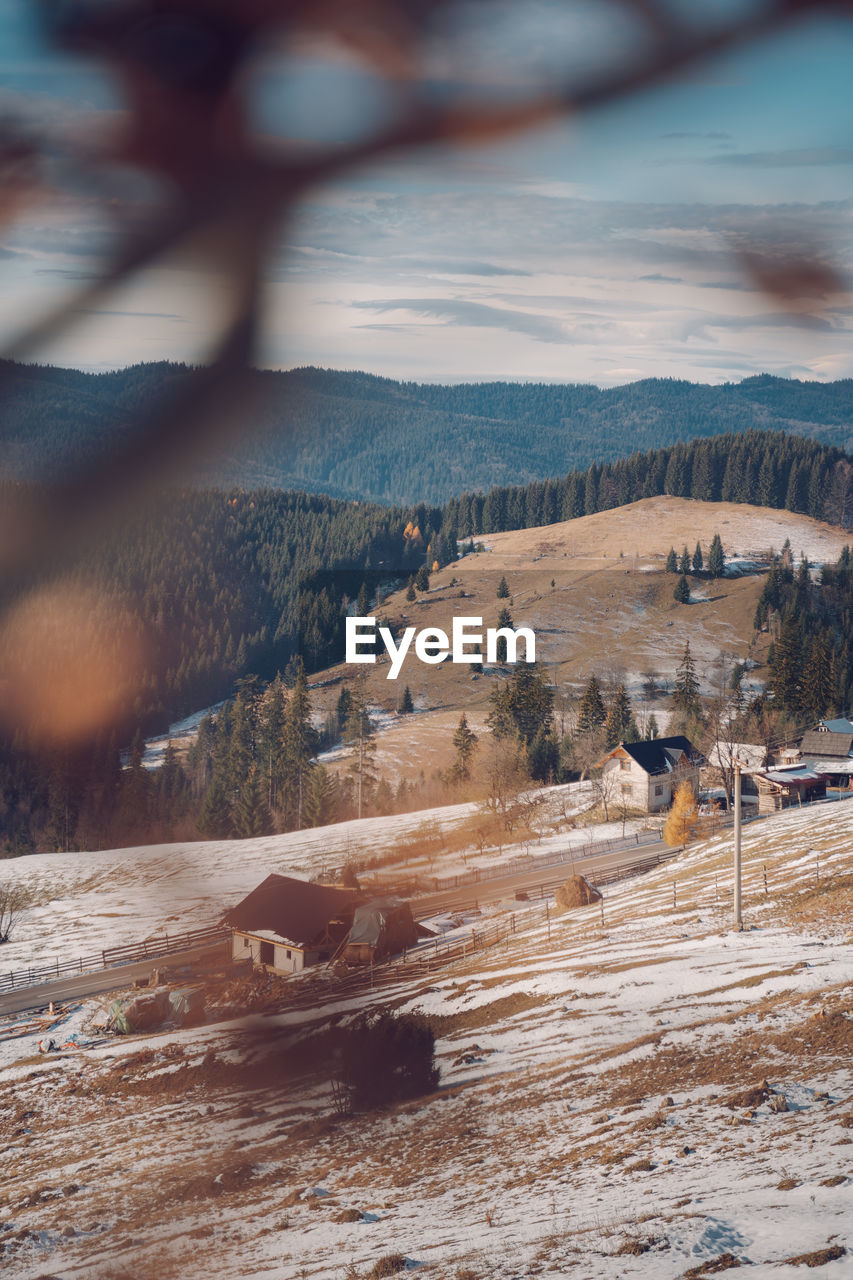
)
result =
(646, 775)
(287, 924)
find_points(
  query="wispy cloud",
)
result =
(135, 315)
(715, 136)
(794, 158)
(459, 311)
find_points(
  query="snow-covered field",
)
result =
(85, 902)
(599, 1112)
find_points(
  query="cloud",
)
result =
(711, 137)
(657, 278)
(460, 311)
(742, 286)
(795, 158)
(134, 315)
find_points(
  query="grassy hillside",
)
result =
(610, 610)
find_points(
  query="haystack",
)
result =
(576, 892)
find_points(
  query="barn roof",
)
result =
(661, 755)
(294, 910)
(817, 743)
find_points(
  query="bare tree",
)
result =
(606, 789)
(503, 770)
(13, 900)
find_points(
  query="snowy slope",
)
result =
(597, 1116)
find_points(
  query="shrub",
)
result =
(388, 1265)
(385, 1057)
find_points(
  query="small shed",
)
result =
(782, 787)
(380, 928)
(287, 924)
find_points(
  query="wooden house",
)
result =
(287, 924)
(646, 775)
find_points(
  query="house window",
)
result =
(625, 764)
(626, 789)
(288, 954)
(658, 788)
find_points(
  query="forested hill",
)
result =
(353, 435)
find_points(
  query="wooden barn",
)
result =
(788, 785)
(287, 924)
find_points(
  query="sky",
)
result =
(603, 249)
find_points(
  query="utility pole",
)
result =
(738, 916)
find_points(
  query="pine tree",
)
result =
(360, 734)
(523, 706)
(504, 620)
(786, 667)
(250, 815)
(618, 721)
(682, 591)
(817, 682)
(684, 562)
(591, 712)
(671, 561)
(543, 756)
(683, 818)
(321, 797)
(214, 819)
(465, 743)
(652, 729)
(685, 691)
(411, 594)
(716, 559)
(697, 559)
(270, 741)
(300, 745)
(503, 589)
(407, 705)
(422, 579)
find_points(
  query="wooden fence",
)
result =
(113, 957)
(574, 853)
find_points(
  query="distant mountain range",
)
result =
(353, 435)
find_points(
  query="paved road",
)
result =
(530, 881)
(88, 984)
(534, 883)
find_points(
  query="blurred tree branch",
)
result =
(181, 65)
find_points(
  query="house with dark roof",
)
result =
(287, 924)
(646, 775)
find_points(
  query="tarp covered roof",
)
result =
(294, 910)
(791, 777)
(370, 920)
